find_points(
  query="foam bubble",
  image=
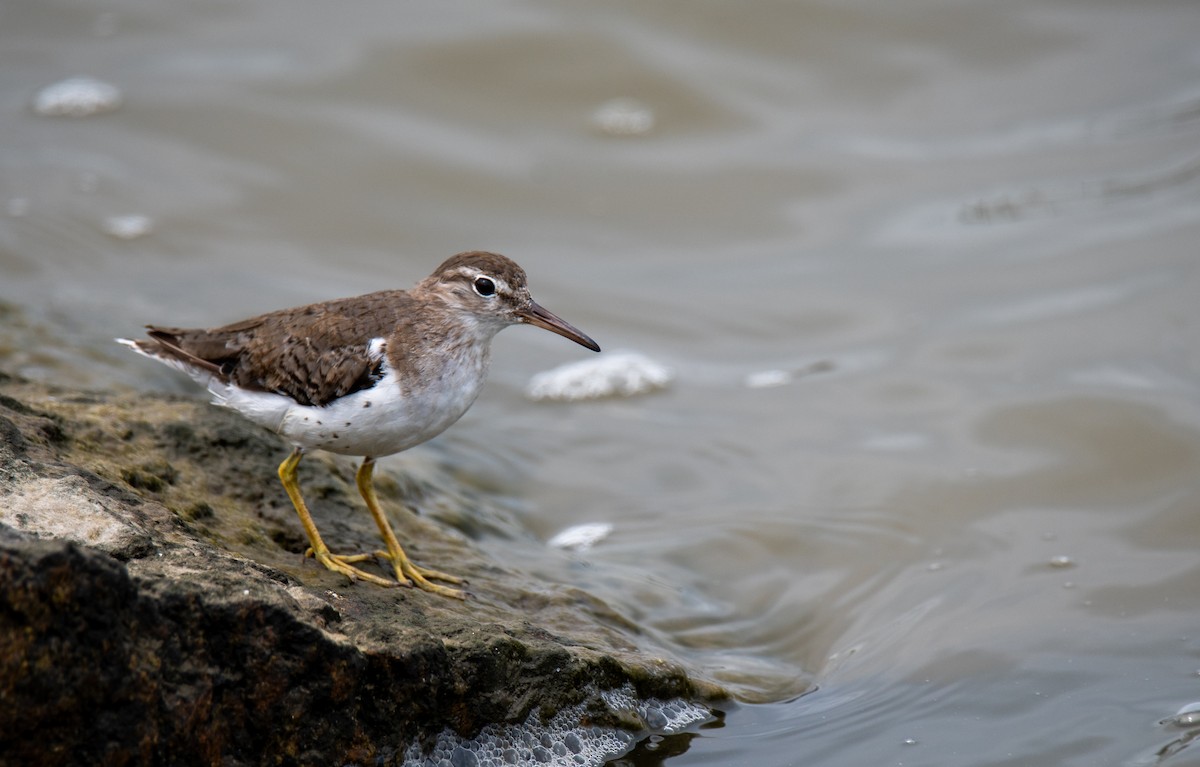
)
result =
(76, 97)
(1187, 716)
(128, 227)
(623, 117)
(765, 379)
(581, 537)
(619, 373)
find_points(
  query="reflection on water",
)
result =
(923, 485)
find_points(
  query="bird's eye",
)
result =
(485, 287)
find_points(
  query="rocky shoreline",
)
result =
(156, 607)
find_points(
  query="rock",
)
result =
(156, 608)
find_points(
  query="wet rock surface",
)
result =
(156, 605)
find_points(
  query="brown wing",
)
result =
(313, 354)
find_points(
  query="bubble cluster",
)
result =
(667, 717)
(564, 741)
(617, 374)
(76, 97)
(128, 227)
(766, 379)
(623, 117)
(581, 537)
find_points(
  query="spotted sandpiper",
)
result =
(366, 376)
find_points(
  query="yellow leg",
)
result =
(405, 569)
(319, 551)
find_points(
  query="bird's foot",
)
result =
(423, 577)
(344, 564)
(407, 573)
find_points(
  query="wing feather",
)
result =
(313, 354)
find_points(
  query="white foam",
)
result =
(765, 379)
(617, 374)
(623, 117)
(567, 740)
(128, 227)
(77, 97)
(581, 537)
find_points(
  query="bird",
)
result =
(367, 376)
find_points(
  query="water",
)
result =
(924, 486)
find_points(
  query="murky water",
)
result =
(927, 276)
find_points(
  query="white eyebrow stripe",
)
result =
(471, 273)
